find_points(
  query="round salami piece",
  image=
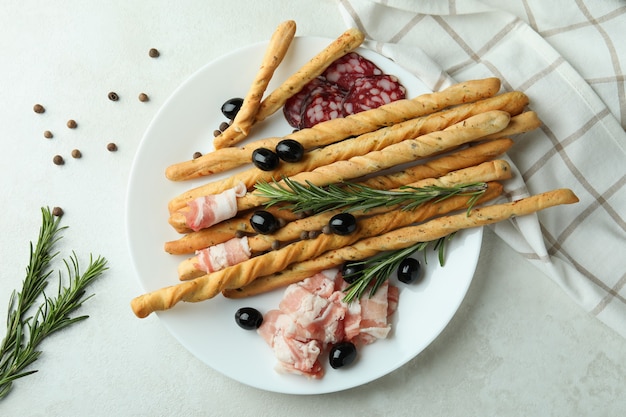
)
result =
(293, 106)
(345, 70)
(323, 103)
(371, 92)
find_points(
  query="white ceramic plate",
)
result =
(185, 125)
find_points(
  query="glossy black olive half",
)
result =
(342, 224)
(248, 318)
(409, 270)
(265, 159)
(231, 107)
(264, 222)
(342, 354)
(290, 150)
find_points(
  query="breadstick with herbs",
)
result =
(408, 237)
(464, 158)
(513, 103)
(245, 118)
(340, 128)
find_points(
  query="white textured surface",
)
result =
(518, 345)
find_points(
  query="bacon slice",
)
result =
(225, 254)
(209, 210)
(312, 316)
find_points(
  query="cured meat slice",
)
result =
(345, 70)
(323, 103)
(208, 210)
(225, 254)
(371, 92)
(293, 106)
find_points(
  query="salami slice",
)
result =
(371, 92)
(323, 103)
(293, 106)
(345, 70)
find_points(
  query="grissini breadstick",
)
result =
(434, 168)
(245, 118)
(409, 150)
(521, 123)
(513, 103)
(486, 172)
(404, 237)
(239, 275)
(341, 128)
(243, 274)
(346, 42)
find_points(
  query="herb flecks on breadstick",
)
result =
(341, 128)
(245, 118)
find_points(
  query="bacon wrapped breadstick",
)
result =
(512, 103)
(245, 118)
(341, 128)
(242, 274)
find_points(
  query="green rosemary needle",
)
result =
(379, 268)
(356, 197)
(28, 325)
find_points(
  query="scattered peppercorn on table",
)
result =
(83, 84)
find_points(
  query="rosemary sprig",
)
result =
(27, 329)
(378, 268)
(356, 197)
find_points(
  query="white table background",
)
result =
(517, 346)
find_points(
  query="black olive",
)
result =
(351, 271)
(290, 150)
(231, 107)
(342, 354)
(342, 224)
(248, 318)
(409, 270)
(264, 222)
(265, 159)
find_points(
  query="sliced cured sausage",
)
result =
(323, 103)
(345, 70)
(371, 92)
(293, 106)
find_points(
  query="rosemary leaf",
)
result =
(308, 197)
(378, 268)
(27, 329)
